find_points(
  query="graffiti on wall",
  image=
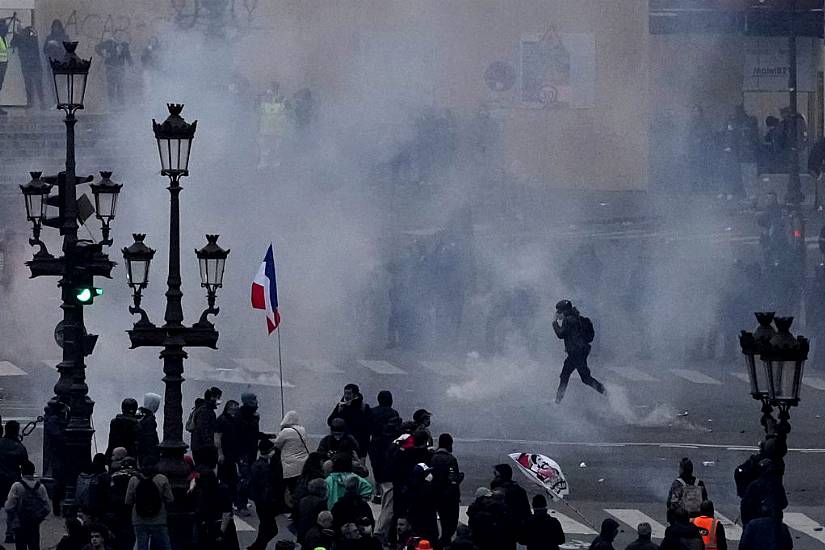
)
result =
(215, 16)
(97, 27)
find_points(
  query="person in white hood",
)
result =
(292, 441)
(148, 440)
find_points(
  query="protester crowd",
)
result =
(324, 490)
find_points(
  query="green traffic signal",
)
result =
(86, 295)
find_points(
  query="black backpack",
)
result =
(31, 508)
(588, 332)
(147, 498)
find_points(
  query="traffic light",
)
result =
(85, 295)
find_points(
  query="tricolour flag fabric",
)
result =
(265, 291)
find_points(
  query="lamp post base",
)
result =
(180, 514)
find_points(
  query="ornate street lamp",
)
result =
(776, 379)
(35, 193)
(70, 75)
(105, 192)
(174, 136)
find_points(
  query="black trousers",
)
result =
(448, 516)
(577, 361)
(267, 527)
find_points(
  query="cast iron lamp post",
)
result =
(174, 138)
(68, 449)
(776, 375)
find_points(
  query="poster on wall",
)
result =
(766, 65)
(558, 70)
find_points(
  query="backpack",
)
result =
(118, 486)
(190, 421)
(588, 332)
(32, 508)
(147, 498)
(690, 497)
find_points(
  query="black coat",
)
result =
(384, 428)
(349, 509)
(488, 523)
(124, 431)
(766, 534)
(447, 477)
(316, 538)
(330, 446)
(542, 532)
(306, 514)
(768, 488)
(675, 533)
(570, 330)
(517, 503)
(357, 416)
(148, 440)
(249, 433)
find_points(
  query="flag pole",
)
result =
(281, 372)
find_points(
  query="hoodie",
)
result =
(337, 487)
(148, 439)
(292, 442)
(18, 491)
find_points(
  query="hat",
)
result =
(539, 502)
(265, 446)
(423, 544)
(419, 415)
(338, 425)
(564, 305)
(249, 399)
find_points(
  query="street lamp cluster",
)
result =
(82, 260)
(775, 361)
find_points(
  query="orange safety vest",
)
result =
(707, 527)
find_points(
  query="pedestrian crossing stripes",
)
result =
(632, 374)
(380, 367)
(804, 524)
(243, 527)
(695, 376)
(635, 517)
(732, 531)
(7, 368)
(814, 382)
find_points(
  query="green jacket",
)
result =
(337, 483)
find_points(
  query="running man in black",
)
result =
(577, 333)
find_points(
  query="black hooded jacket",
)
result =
(571, 331)
(357, 416)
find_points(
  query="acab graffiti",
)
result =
(98, 27)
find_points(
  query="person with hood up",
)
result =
(643, 542)
(53, 45)
(607, 534)
(541, 531)
(385, 426)
(686, 492)
(292, 442)
(352, 410)
(681, 534)
(321, 535)
(337, 480)
(29, 504)
(124, 430)
(308, 508)
(577, 333)
(148, 440)
(204, 423)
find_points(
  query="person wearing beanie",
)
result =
(447, 478)
(541, 531)
(643, 542)
(148, 440)
(609, 530)
(515, 498)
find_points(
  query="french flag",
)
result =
(265, 291)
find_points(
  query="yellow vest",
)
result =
(4, 50)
